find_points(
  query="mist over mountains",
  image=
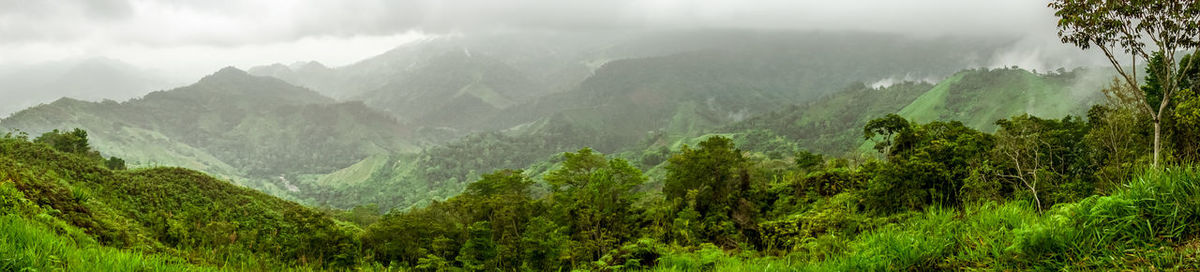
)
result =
(329, 135)
(92, 79)
(617, 135)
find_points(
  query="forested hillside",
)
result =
(427, 105)
(456, 89)
(63, 206)
(978, 97)
(232, 125)
(616, 135)
(833, 124)
(245, 128)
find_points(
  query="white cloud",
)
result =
(195, 35)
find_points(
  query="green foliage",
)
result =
(979, 97)
(28, 246)
(595, 198)
(807, 160)
(1184, 123)
(1120, 137)
(114, 163)
(169, 210)
(887, 126)
(231, 125)
(545, 244)
(75, 141)
(1186, 136)
(825, 126)
(479, 252)
(927, 165)
(709, 188)
(945, 196)
(1046, 158)
(1148, 224)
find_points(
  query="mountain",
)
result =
(635, 91)
(455, 89)
(259, 131)
(311, 74)
(683, 95)
(833, 124)
(92, 79)
(437, 113)
(466, 77)
(979, 97)
(556, 60)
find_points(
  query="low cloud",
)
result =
(236, 23)
(192, 35)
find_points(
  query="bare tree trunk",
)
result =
(1036, 199)
(1157, 130)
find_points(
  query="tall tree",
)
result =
(1170, 26)
(596, 197)
(888, 126)
(75, 141)
(710, 186)
(1040, 154)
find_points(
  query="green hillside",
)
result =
(833, 124)
(63, 210)
(454, 89)
(980, 97)
(232, 125)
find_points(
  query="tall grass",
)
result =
(27, 246)
(1152, 223)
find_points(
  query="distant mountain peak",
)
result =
(229, 71)
(228, 74)
(304, 65)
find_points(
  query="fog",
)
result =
(180, 41)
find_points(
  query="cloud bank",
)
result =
(201, 33)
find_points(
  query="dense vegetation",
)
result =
(1035, 194)
(232, 125)
(1032, 195)
(989, 169)
(62, 207)
(430, 108)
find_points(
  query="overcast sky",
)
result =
(192, 37)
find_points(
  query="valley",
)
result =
(638, 144)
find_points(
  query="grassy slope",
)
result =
(980, 97)
(63, 208)
(27, 244)
(930, 105)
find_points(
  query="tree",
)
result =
(1186, 118)
(808, 160)
(115, 163)
(503, 200)
(887, 126)
(927, 165)
(712, 169)
(595, 196)
(480, 251)
(75, 141)
(544, 243)
(710, 186)
(1170, 26)
(1038, 153)
(1118, 135)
